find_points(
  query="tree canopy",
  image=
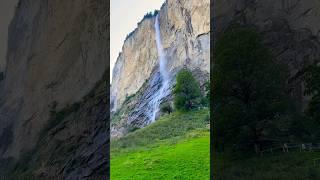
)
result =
(187, 91)
(312, 79)
(249, 91)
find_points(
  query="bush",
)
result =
(187, 91)
(132, 128)
(166, 108)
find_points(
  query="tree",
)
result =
(312, 81)
(187, 91)
(249, 91)
(311, 121)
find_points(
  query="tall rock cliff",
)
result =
(6, 14)
(57, 54)
(290, 28)
(185, 36)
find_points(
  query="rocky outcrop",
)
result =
(57, 52)
(73, 145)
(290, 28)
(134, 112)
(185, 35)
(185, 32)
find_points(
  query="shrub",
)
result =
(166, 108)
(132, 128)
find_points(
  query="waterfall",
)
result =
(164, 75)
(161, 54)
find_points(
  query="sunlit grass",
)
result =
(175, 147)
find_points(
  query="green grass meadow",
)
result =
(177, 146)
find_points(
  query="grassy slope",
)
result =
(292, 165)
(174, 147)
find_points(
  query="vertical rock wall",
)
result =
(57, 51)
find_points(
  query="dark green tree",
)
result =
(311, 121)
(166, 108)
(312, 79)
(187, 91)
(249, 91)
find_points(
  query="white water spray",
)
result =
(164, 89)
(161, 54)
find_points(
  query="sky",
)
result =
(7, 8)
(124, 16)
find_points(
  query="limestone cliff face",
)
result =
(57, 52)
(185, 35)
(290, 28)
(135, 62)
(185, 28)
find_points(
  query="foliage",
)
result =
(166, 108)
(187, 91)
(312, 80)
(132, 128)
(149, 15)
(250, 104)
(130, 34)
(146, 16)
